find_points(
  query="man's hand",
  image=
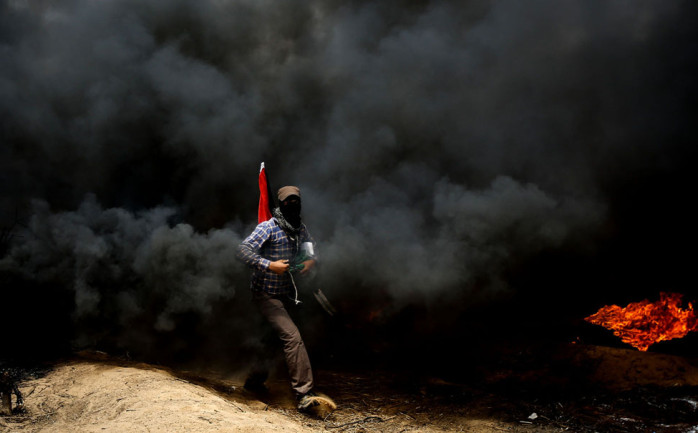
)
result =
(307, 266)
(279, 267)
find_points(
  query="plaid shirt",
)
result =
(269, 243)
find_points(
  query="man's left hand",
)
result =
(307, 266)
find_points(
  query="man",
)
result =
(270, 251)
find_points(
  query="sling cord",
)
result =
(296, 300)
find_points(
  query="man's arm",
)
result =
(248, 251)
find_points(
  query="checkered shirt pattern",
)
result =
(269, 243)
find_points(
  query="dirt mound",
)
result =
(93, 397)
(574, 388)
(96, 396)
(624, 369)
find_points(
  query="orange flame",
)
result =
(644, 323)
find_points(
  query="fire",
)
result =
(644, 323)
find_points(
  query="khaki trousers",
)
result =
(297, 360)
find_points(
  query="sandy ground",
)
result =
(638, 391)
(89, 396)
(92, 397)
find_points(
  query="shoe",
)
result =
(316, 405)
(306, 401)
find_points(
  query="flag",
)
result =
(265, 197)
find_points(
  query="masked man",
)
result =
(271, 251)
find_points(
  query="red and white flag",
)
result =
(265, 200)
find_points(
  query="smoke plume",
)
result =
(445, 150)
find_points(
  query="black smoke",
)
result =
(450, 155)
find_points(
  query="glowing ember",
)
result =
(644, 323)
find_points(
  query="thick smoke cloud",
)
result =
(440, 146)
(124, 268)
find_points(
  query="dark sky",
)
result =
(449, 153)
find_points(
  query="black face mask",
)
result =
(291, 212)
